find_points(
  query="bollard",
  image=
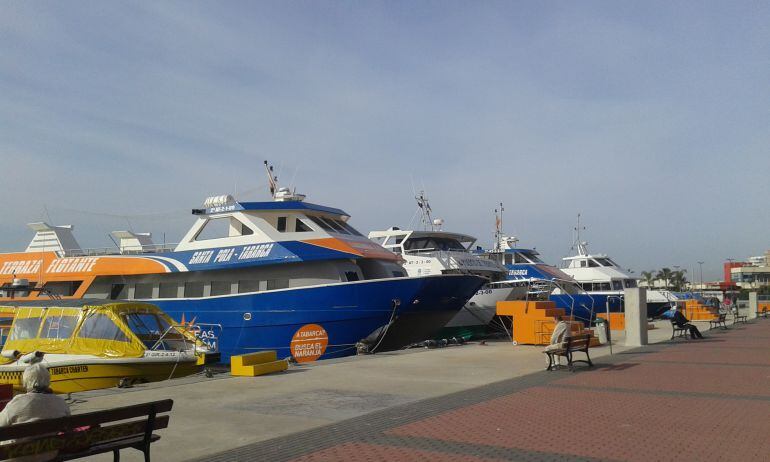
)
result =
(753, 305)
(636, 316)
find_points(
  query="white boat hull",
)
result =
(482, 307)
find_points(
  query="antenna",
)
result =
(281, 194)
(272, 179)
(499, 227)
(579, 245)
(425, 210)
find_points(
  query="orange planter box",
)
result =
(617, 320)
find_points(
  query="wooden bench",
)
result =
(677, 331)
(84, 435)
(576, 343)
(721, 321)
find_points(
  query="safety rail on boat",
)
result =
(428, 250)
(137, 250)
(196, 329)
(546, 287)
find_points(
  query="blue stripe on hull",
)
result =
(348, 312)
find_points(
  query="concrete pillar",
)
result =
(636, 316)
(753, 305)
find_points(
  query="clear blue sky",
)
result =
(652, 119)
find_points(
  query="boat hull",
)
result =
(348, 312)
(97, 375)
(480, 309)
(585, 306)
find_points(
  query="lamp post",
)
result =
(700, 263)
(676, 268)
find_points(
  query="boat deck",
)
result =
(683, 400)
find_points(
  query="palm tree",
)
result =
(678, 279)
(665, 274)
(649, 278)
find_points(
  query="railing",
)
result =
(97, 251)
(195, 329)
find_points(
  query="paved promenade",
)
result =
(685, 400)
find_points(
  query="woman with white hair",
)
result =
(37, 404)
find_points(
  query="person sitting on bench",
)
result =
(682, 322)
(37, 404)
(559, 336)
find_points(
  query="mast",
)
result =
(272, 179)
(579, 245)
(499, 227)
(425, 211)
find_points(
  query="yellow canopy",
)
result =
(90, 329)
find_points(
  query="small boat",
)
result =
(93, 344)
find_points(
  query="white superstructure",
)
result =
(439, 252)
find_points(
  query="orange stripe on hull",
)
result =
(362, 249)
(46, 266)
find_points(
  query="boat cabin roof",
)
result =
(87, 327)
(395, 233)
(81, 303)
(272, 206)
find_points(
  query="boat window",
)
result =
(351, 276)
(433, 243)
(215, 228)
(60, 327)
(100, 326)
(274, 284)
(587, 286)
(301, 227)
(193, 289)
(245, 286)
(630, 283)
(222, 227)
(532, 257)
(168, 290)
(521, 258)
(281, 226)
(118, 291)
(143, 324)
(63, 288)
(583, 263)
(604, 261)
(24, 328)
(220, 287)
(321, 223)
(143, 290)
(245, 230)
(508, 259)
(617, 285)
(355, 232)
(398, 274)
(337, 226)
(593, 264)
(603, 286)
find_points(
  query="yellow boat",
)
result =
(88, 345)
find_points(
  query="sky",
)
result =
(650, 119)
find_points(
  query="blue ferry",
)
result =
(283, 275)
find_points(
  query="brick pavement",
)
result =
(681, 400)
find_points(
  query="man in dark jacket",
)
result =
(682, 322)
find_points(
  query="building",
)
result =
(751, 274)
